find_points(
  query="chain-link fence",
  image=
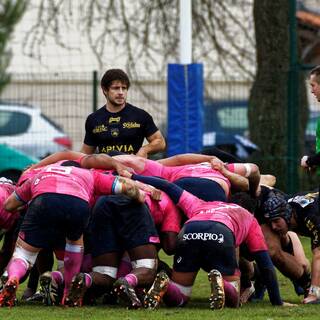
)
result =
(67, 99)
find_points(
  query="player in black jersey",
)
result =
(118, 125)
(300, 214)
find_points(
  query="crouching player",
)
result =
(60, 199)
(208, 241)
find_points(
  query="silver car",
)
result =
(27, 129)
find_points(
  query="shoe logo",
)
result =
(179, 259)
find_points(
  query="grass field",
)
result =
(198, 308)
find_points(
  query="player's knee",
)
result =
(27, 256)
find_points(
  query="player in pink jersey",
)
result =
(200, 179)
(8, 223)
(167, 219)
(58, 206)
(248, 170)
(208, 240)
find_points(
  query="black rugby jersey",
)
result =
(122, 131)
(306, 207)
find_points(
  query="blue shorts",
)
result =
(119, 223)
(205, 189)
(207, 245)
(53, 217)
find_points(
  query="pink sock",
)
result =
(124, 268)
(174, 297)
(231, 294)
(86, 263)
(132, 279)
(72, 262)
(17, 268)
(57, 276)
(88, 280)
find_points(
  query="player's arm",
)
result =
(13, 202)
(156, 144)
(87, 149)
(169, 242)
(314, 291)
(238, 182)
(58, 156)
(269, 276)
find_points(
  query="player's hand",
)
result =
(122, 169)
(303, 162)
(156, 194)
(126, 173)
(142, 153)
(310, 299)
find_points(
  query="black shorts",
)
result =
(207, 245)
(119, 223)
(205, 189)
(53, 217)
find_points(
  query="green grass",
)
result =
(198, 308)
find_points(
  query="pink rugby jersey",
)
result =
(200, 170)
(166, 215)
(7, 219)
(240, 221)
(78, 182)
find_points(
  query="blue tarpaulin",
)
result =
(185, 108)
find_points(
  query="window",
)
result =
(234, 119)
(13, 123)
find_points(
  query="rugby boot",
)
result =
(3, 279)
(8, 293)
(36, 297)
(217, 298)
(77, 290)
(159, 287)
(126, 293)
(49, 290)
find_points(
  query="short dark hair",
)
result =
(316, 71)
(113, 75)
(244, 200)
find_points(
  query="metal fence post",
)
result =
(293, 101)
(95, 90)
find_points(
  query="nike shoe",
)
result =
(217, 298)
(159, 287)
(36, 297)
(8, 293)
(49, 289)
(126, 293)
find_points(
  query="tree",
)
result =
(11, 12)
(227, 37)
(146, 32)
(268, 103)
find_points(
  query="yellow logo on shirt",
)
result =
(114, 120)
(122, 148)
(99, 129)
(131, 125)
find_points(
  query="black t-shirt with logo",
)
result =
(122, 131)
(306, 205)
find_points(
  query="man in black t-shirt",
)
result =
(118, 125)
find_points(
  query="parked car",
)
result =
(226, 127)
(27, 129)
(13, 162)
